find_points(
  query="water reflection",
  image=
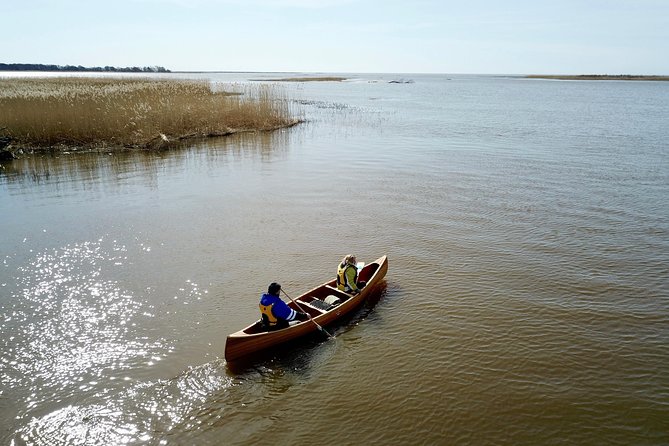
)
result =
(73, 170)
(142, 412)
(70, 332)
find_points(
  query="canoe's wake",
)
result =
(190, 406)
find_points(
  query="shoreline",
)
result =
(160, 142)
(303, 79)
(597, 77)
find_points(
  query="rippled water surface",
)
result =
(527, 298)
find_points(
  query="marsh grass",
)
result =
(123, 112)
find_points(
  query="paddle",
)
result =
(310, 318)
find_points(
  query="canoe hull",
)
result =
(251, 340)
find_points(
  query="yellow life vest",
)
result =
(342, 281)
(267, 311)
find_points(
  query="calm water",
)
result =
(526, 302)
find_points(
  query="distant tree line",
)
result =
(41, 67)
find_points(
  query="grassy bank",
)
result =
(89, 113)
(599, 77)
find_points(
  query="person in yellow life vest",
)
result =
(347, 275)
(274, 312)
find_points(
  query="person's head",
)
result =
(350, 260)
(274, 288)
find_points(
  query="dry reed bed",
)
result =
(89, 113)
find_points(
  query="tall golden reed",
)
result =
(127, 112)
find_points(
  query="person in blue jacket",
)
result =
(274, 312)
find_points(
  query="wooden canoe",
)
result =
(254, 339)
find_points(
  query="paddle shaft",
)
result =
(310, 318)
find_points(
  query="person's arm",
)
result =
(283, 311)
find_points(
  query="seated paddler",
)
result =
(347, 275)
(274, 312)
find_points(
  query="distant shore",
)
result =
(599, 77)
(305, 79)
(79, 68)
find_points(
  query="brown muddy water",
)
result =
(526, 302)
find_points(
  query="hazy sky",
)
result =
(411, 36)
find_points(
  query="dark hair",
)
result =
(274, 288)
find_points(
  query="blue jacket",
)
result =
(278, 307)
